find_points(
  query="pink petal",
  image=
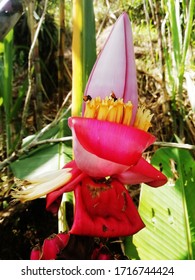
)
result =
(142, 172)
(94, 166)
(53, 199)
(115, 68)
(104, 210)
(110, 141)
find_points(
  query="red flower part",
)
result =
(53, 245)
(94, 166)
(35, 253)
(104, 209)
(104, 256)
(101, 253)
(142, 172)
(111, 141)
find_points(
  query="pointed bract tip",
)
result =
(115, 70)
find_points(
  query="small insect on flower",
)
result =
(113, 96)
(86, 98)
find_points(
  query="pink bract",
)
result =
(117, 143)
(115, 68)
(142, 172)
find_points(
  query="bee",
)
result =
(86, 98)
(113, 96)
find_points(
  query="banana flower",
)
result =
(108, 142)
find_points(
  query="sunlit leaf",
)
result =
(168, 211)
(44, 157)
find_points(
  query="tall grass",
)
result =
(173, 21)
(179, 20)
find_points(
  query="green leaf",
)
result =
(188, 30)
(44, 158)
(130, 249)
(168, 211)
(89, 35)
(174, 16)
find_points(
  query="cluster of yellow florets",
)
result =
(115, 110)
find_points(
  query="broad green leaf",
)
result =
(168, 211)
(43, 159)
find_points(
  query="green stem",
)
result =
(7, 91)
(83, 52)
